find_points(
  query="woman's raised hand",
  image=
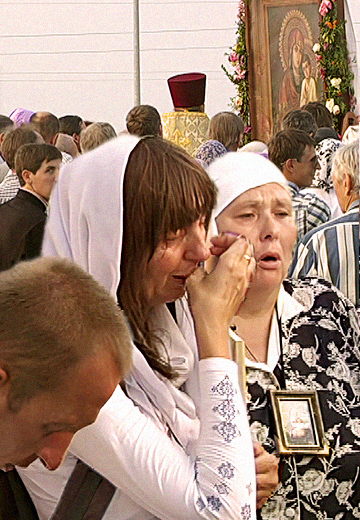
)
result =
(215, 297)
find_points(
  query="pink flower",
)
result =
(325, 7)
(240, 73)
(242, 10)
(234, 58)
(326, 45)
(318, 57)
(247, 129)
(323, 73)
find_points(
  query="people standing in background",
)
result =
(144, 120)
(331, 251)
(293, 152)
(96, 134)
(6, 124)
(300, 119)
(21, 116)
(11, 143)
(72, 125)
(227, 128)
(23, 217)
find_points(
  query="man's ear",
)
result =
(289, 165)
(347, 184)
(76, 138)
(4, 376)
(53, 139)
(26, 175)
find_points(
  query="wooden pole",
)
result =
(136, 53)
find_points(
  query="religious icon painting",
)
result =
(282, 64)
(298, 423)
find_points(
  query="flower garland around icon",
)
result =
(333, 60)
(238, 58)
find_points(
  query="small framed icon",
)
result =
(298, 423)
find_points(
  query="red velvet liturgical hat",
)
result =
(187, 90)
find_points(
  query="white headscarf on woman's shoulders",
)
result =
(86, 225)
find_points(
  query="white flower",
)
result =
(328, 487)
(316, 48)
(354, 320)
(294, 349)
(355, 382)
(344, 491)
(354, 424)
(304, 296)
(335, 82)
(311, 481)
(238, 101)
(330, 104)
(339, 370)
(336, 110)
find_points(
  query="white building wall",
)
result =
(76, 56)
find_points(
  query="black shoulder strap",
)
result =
(86, 496)
(172, 309)
(15, 501)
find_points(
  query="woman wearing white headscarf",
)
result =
(299, 335)
(134, 214)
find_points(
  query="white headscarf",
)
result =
(235, 173)
(86, 226)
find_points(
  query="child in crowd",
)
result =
(23, 218)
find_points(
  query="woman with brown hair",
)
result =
(134, 213)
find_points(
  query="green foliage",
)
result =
(238, 59)
(333, 60)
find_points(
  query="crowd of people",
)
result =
(134, 258)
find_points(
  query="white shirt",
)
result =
(287, 308)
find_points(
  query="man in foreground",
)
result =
(64, 346)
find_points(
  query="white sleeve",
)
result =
(128, 449)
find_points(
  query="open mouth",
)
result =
(269, 260)
(183, 277)
(180, 278)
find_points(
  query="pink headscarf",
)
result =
(21, 116)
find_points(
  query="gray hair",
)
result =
(96, 134)
(346, 161)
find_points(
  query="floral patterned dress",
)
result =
(321, 352)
